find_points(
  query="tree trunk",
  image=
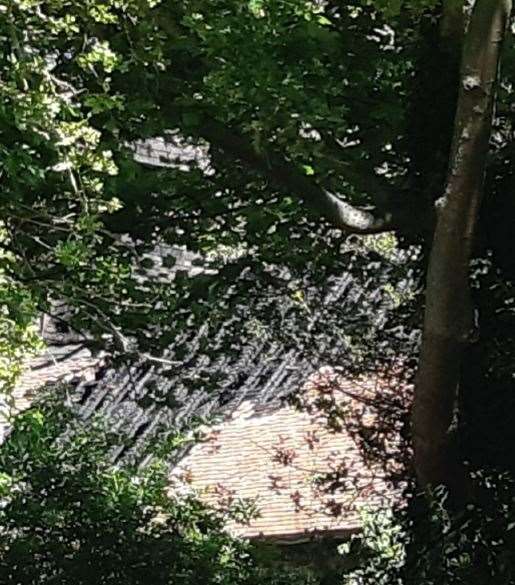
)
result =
(448, 320)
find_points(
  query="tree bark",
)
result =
(452, 23)
(448, 320)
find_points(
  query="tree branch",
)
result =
(285, 176)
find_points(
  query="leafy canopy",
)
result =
(83, 83)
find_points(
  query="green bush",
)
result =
(68, 517)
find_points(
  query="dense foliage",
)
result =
(433, 547)
(83, 83)
(107, 74)
(68, 517)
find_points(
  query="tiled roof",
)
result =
(57, 364)
(303, 478)
(171, 151)
(270, 454)
(266, 454)
(141, 400)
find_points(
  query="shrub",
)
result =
(68, 517)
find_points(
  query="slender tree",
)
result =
(449, 320)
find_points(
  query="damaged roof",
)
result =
(147, 399)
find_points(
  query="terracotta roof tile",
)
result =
(273, 458)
